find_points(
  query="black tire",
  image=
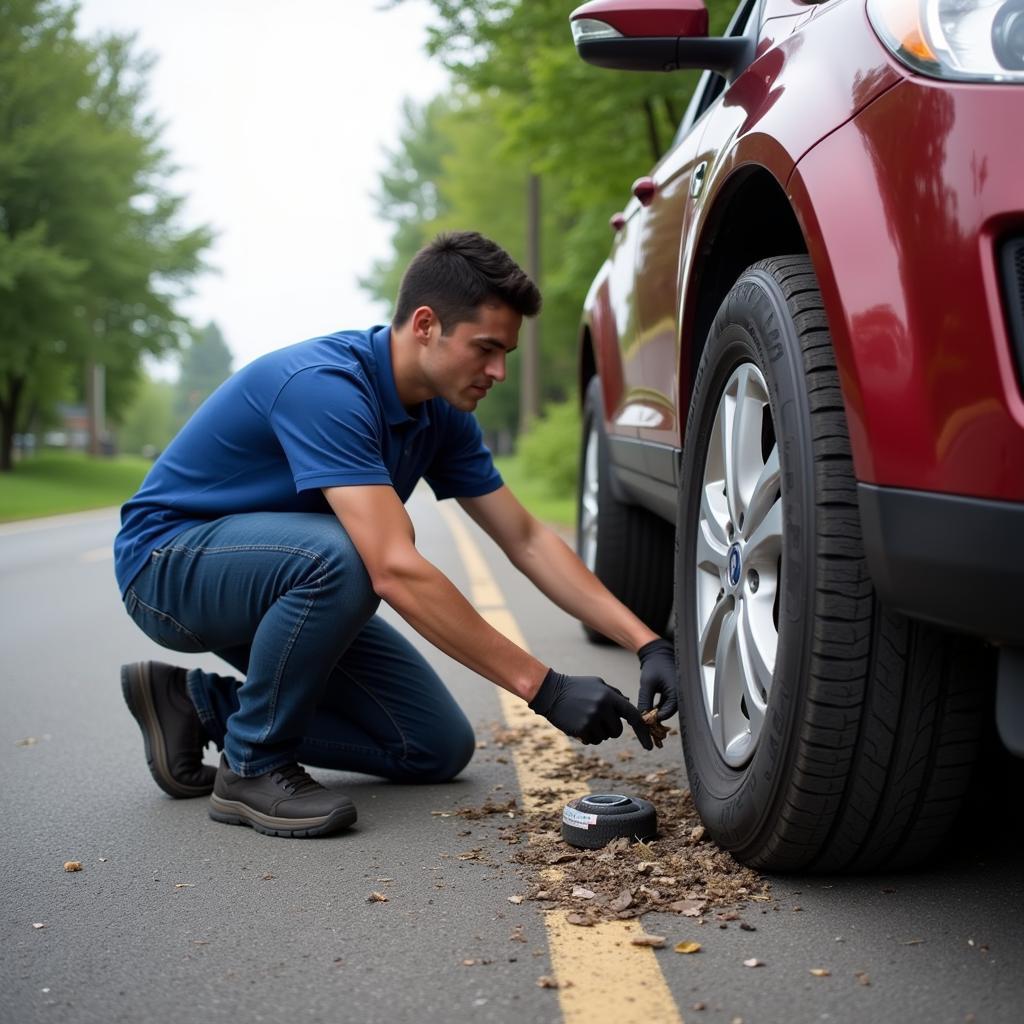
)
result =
(871, 722)
(633, 556)
(592, 822)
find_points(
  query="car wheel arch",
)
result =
(751, 218)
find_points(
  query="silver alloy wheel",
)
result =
(588, 502)
(739, 548)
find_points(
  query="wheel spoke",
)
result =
(712, 547)
(755, 650)
(723, 679)
(766, 490)
(710, 630)
(764, 547)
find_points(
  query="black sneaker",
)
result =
(175, 738)
(284, 802)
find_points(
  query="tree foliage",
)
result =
(93, 257)
(205, 365)
(523, 103)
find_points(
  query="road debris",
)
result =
(687, 947)
(38, 924)
(679, 871)
(546, 981)
(184, 885)
(821, 972)
(72, 865)
(863, 978)
(657, 730)
(377, 897)
(753, 962)
(643, 939)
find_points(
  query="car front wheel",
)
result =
(820, 730)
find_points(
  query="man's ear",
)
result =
(424, 324)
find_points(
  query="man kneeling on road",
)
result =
(273, 525)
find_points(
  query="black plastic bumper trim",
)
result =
(951, 560)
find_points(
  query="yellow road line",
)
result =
(613, 982)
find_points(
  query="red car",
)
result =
(801, 371)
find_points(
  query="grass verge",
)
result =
(56, 482)
(535, 494)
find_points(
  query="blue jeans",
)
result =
(285, 599)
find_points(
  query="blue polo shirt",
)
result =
(323, 413)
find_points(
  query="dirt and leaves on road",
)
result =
(679, 872)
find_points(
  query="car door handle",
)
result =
(644, 189)
(697, 181)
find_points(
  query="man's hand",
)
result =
(658, 676)
(587, 708)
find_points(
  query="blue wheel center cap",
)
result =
(735, 565)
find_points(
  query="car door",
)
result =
(622, 383)
(672, 191)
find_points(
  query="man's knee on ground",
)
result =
(443, 762)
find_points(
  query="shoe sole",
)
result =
(233, 812)
(136, 686)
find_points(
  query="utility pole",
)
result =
(95, 386)
(529, 380)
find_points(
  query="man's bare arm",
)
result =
(379, 527)
(544, 558)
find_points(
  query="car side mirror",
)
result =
(653, 35)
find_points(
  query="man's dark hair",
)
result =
(459, 271)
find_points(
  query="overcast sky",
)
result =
(278, 112)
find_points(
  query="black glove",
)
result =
(658, 675)
(588, 708)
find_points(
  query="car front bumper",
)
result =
(957, 562)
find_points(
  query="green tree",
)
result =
(93, 259)
(148, 423)
(524, 103)
(205, 365)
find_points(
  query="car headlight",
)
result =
(963, 40)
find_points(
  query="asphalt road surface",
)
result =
(175, 917)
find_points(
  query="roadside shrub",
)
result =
(549, 451)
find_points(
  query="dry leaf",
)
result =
(654, 727)
(862, 977)
(546, 981)
(697, 834)
(442, 814)
(72, 865)
(753, 962)
(687, 947)
(474, 854)
(688, 908)
(517, 934)
(267, 877)
(516, 899)
(376, 897)
(643, 939)
(580, 920)
(582, 893)
(621, 902)
(821, 972)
